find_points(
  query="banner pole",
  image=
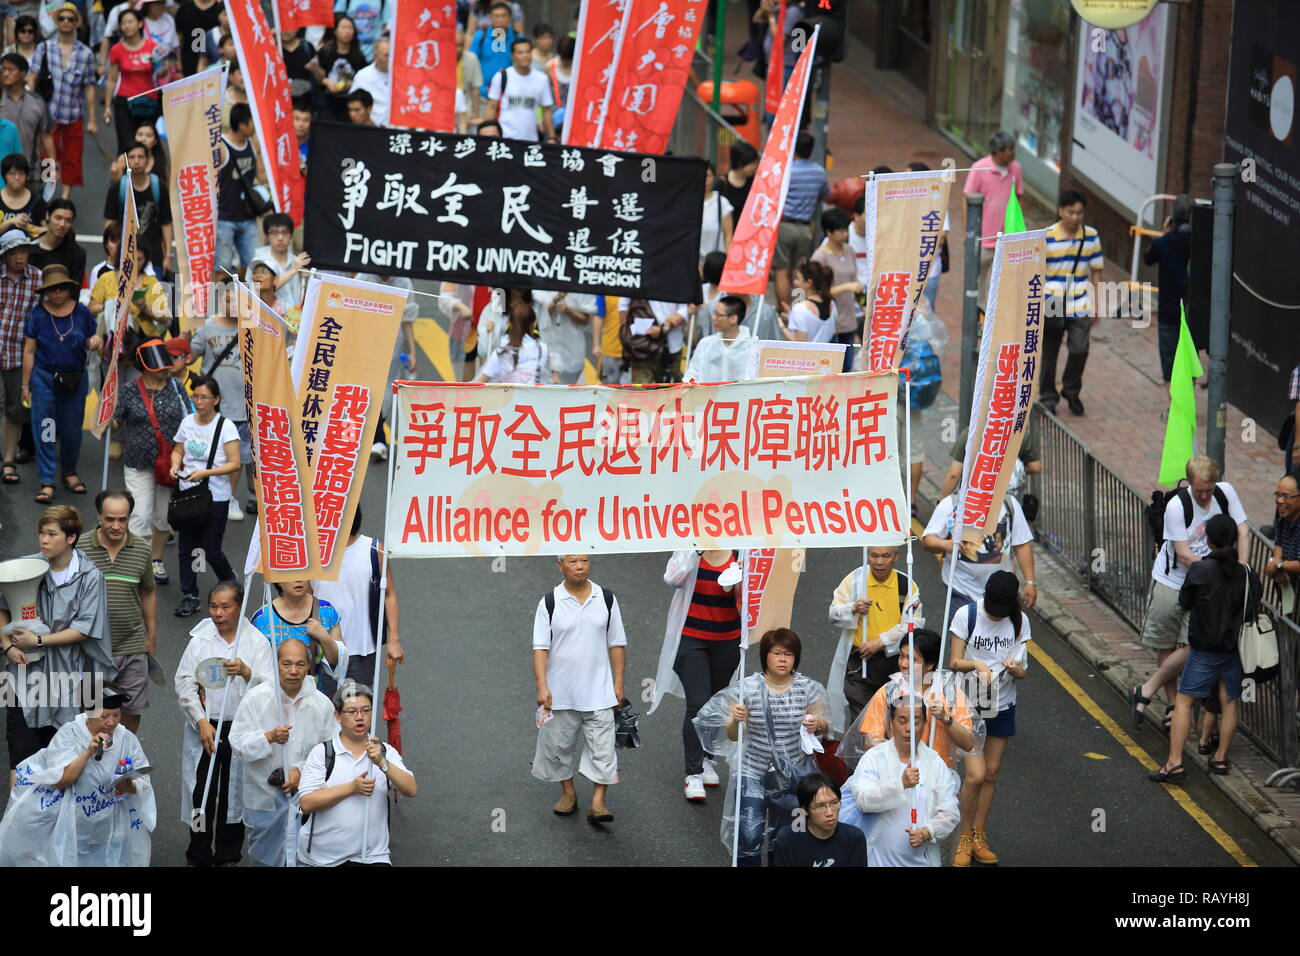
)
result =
(383, 591)
(911, 610)
(740, 780)
(108, 440)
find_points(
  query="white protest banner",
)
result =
(526, 470)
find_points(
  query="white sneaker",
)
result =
(234, 512)
(710, 775)
(379, 451)
(695, 787)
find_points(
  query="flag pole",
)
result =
(108, 440)
(911, 610)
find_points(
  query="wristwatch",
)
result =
(383, 767)
(1034, 583)
(946, 720)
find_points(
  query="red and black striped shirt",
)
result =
(713, 615)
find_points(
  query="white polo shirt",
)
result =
(578, 637)
(336, 838)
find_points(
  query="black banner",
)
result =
(503, 212)
(1263, 135)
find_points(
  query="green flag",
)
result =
(1180, 431)
(1014, 221)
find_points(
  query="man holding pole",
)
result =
(225, 657)
(275, 729)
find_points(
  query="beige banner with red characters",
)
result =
(267, 84)
(424, 65)
(1006, 379)
(525, 469)
(341, 363)
(600, 34)
(127, 281)
(286, 514)
(650, 75)
(904, 215)
(754, 239)
(192, 108)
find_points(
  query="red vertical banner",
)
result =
(600, 28)
(296, 14)
(750, 256)
(267, 84)
(653, 65)
(424, 65)
(775, 63)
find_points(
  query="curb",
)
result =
(1250, 798)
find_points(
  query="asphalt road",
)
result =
(1070, 794)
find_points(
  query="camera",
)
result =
(276, 779)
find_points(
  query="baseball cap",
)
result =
(1001, 594)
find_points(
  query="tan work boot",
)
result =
(981, 849)
(566, 805)
(962, 856)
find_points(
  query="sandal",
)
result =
(74, 484)
(1209, 746)
(1136, 700)
(44, 497)
(1220, 767)
(10, 470)
(1168, 719)
(1172, 775)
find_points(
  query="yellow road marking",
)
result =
(1093, 709)
(1092, 756)
(434, 342)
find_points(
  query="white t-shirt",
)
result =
(993, 554)
(527, 365)
(380, 86)
(804, 318)
(524, 94)
(993, 642)
(677, 334)
(197, 442)
(566, 340)
(859, 246)
(336, 837)
(716, 208)
(578, 638)
(1177, 529)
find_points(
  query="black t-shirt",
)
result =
(153, 210)
(230, 192)
(295, 61)
(736, 195)
(66, 253)
(188, 19)
(847, 846)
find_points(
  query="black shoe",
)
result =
(1172, 775)
(1076, 406)
(251, 507)
(188, 607)
(24, 455)
(1049, 407)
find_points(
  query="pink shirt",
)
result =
(995, 184)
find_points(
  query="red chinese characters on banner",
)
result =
(296, 14)
(277, 476)
(336, 463)
(886, 326)
(424, 65)
(127, 281)
(758, 568)
(650, 75)
(775, 63)
(997, 434)
(750, 256)
(267, 85)
(599, 26)
(199, 228)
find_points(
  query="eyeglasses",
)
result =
(1279, 496)
(66, 18)
(828, 805)
(363, 711)
(25, 30)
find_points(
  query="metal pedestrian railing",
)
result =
(1095, 523)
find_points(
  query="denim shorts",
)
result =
(1003, 725)
(1204, 669)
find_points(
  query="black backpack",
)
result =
(310, 818)
(1156, 513)
(549, 601)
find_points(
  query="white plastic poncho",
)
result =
(803, 696)
(850, 589)
(251, 646)
(935, 685)
(310, 717)
(680, 574)
(876, 788)
(86, 824)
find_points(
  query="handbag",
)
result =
(1257, 642)
(143, 107)
(781, 779)
(1054, 321)
(190, 506)
(254, 204)
(162, 463)
(66, 383)
(45, 79)
(639, 348)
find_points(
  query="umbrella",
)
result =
(392, 708)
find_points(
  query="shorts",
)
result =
(151, 501)
(1003, 725)
(11, 395)
(916, 447)
(69, 140)
(1165, 626)
(133, 678)
(794, 241)
(1204, 669)
(558, 741)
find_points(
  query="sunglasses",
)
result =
(25, 30)
(66, 18)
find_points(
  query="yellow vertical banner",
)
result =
(341, 364)
(127, 282)
(1006, 379)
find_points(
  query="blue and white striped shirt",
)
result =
(1065, 279)
(807, 186)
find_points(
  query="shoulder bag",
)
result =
(191, 506)
(782, 776)
(162, 462)
(1055, 320)
(1257, 642)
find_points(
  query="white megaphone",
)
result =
(19, 581)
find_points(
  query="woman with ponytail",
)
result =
(1219, 593)
(522, 357)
